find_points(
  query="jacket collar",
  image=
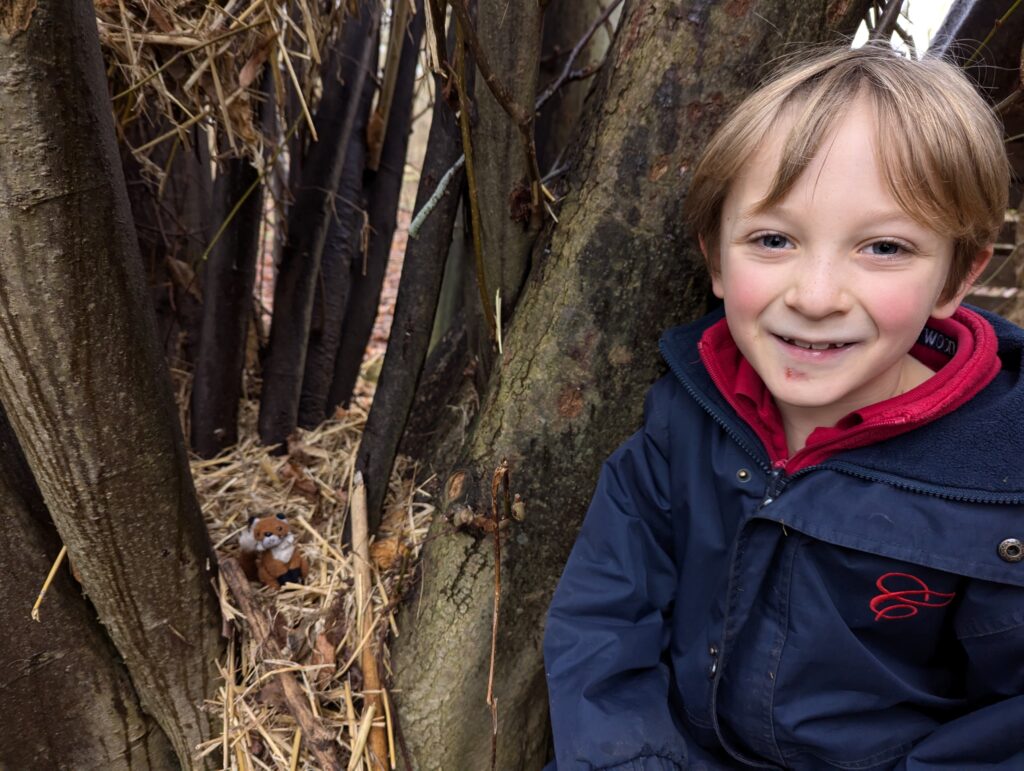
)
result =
(961, 350)
(971, 452)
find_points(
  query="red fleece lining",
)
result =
(956, 380)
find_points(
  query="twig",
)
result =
(401, 742)
(458, 75)
(319, 740)
(48, 581)
(292, 75)
(368, 662)
(500, 480)
(422, 214)
(567, 70)
(267, 169)
(187, 51)
(435, 15)
(995, 28)
(887, 24)
(294, 764)
(396, 41)
(1014, 95)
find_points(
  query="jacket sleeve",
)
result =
(991, 736)
(607, 629)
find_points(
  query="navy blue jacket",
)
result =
(863, 613)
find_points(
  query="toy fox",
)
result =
(269, 552)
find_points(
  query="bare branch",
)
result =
(887, 24)
(567, 71)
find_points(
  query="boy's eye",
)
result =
(773, 241)
(886, 248)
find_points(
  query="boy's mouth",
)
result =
(824, 346)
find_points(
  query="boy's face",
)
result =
(826, 292)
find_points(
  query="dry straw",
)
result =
(176, 64)
(319, 633)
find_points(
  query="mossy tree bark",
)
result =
(579, 355)
(81, 377)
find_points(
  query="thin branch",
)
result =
(908, 40)
(498, 481)
(988, 38)
(567, 71)
(46, 584)
(379, 120)
(1015, 95)
(887, 24)
(423, 213)
(437, 9)
(517, 112)
(319, 741)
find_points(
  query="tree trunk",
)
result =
(66, 698)
(383, 192)
(308, 223)
(510, 34)
(579, 355)
(227, 304)
(343, 244)
(81, 379)
(173, 225)
(414, 310)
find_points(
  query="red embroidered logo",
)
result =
(895, 601)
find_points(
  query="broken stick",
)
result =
(318, 739)
(364, 586)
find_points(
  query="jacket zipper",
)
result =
(715, 416)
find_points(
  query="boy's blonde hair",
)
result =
(940, 145)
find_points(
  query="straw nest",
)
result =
(173, 64)
(316, 626)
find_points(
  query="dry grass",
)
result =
(315, 625)
(176, 64)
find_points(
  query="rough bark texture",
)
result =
(65, 696)
(308, 222)
(580, 353)
(383, 191)
(414, 310)
(81, 378)
(227, 304)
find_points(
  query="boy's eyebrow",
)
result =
(882, 216)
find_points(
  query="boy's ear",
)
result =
(716, 274)
(945, 309)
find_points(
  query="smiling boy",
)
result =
(811, 554)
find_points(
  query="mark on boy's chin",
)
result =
(792, 374)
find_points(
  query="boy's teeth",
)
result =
(813, 346)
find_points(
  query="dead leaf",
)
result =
(324, 657)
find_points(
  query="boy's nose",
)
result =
(818, 290)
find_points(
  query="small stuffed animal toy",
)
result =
(269, 552)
